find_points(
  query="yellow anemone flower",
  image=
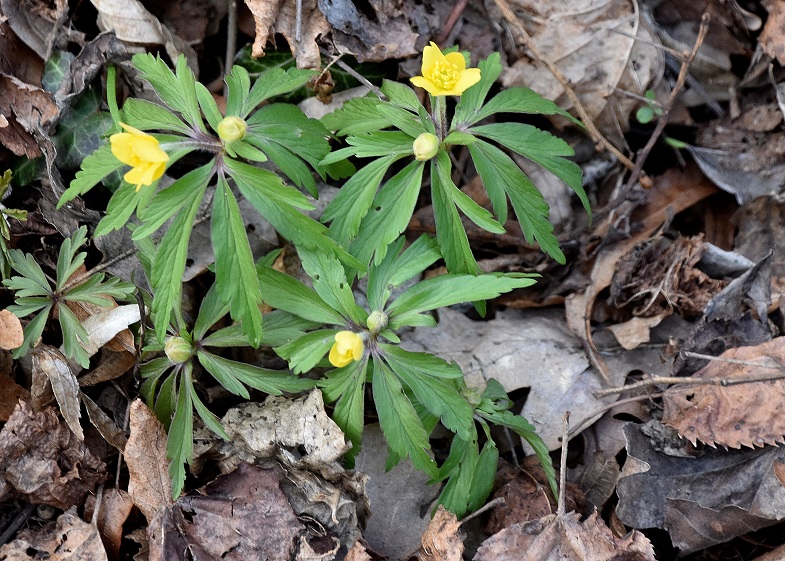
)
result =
(445, 74)
(140, 151)
(348, 346)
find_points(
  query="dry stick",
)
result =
(663, 119)
(21, 517)
(590, 418)
(357, 76)
(560, 510)
(594, 132)
(489, 505)
(231, 40)
(452, 19)
(718, 381)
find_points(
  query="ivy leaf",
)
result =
(400, 424)
(79, 132)
(501, 177)
(234, 265)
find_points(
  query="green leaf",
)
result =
(357, 116)
(169, 201)
(211, 310)
(282, 327)
(350, 206)
(239, 85)
(67, 260)
(208, 106)
(235, 272)
(450, 234)
(347, 386)
(55, 69)
(519, 100)
(178, 90)
(169, 264)
(81, 129)
(472, 99)
(210, 420)
(483, 477)
(273, 82)
(421, 364)
(446, 290)
(498, 172)
(266, 184)
(400, 424)
(95, 168)
(460, 468)
(32, 331)
(436, 394)
(179, 443)
(397, 268)
(74, 336)
(404, 120)
(542, 148)
(402, 95)
(146, 115)
(381, 143)
(390, 213)
(460, 138)
(329, 281)
(26, 264)
(287, 293)
(305, 352)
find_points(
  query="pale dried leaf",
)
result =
(27, 109)
(564, 538)
(357, 553)
(148, 469)
(50, 363)
(116, 505)
(11, 335)
(442, 541)
(113, 434)
(771, 39)
(10, 394)
(104, 325)
(746, 414)
(71, 539)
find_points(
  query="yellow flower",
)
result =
(445, 74)
(348, 346)
(140, 151)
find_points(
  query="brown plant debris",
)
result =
(744, 414)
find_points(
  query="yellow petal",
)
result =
(122, 148)
(132, 130)
(468, 78)
(425, 84)
(358, 348)
(430, 56)
(456, 59)
(337, 359)
(147, 149)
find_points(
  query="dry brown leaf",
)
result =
(564, 538)
(11, 335)
(748, 414)
(49, 364)
(280, 16)
(42, 460)
(771, 39)
(148, 469)
(36, 21)
(113, 434)
(116, 505)
(71, 539)
(357, 553)
(10, 394)
(27, 109)
(441, 541)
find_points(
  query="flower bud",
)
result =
(231, 128)
(376, 321)
(425, 146)
(178, 350)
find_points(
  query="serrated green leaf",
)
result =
(397, 268)
(390, 213)
(400, 424)
(208, 106)
(239, 85)
(179, 442)
(95, 168)
(273, 82)
(421, 364)
(74, 336)
(166, 401)
(381, 143)
(450, 234)
(472, 99)
(498, 171)
(235, 271)
(249, 152)
(406, 121)
(67, 260)
(518, 100)
(402, 95)
(32, 331)
(26, 264)
(290, 295)
(223, 371)
(350, 206)
(330, 282)
(211, 310)
(146, 115)
(542, 148)
(210, 420)
(266, 184)
(26, 306)
(169, 264)
(357, 116)
(347, 386)
(483, 477)
(121, 206)
(168, 202)
(177, 89)
(460, 138)
(446, 290)
(305, 352)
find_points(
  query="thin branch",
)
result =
(231, 40)
(663, 119)
(560, 509)
(452, 19)
(594, 132)
(486, 507)
(590, 418)
(357, 76)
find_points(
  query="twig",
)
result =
(560, 510)
(298, 21)
(663, 119)
(231, 40)
(594, 132)
(452, 19)
(488, 506)
(21, 517)
(588, 421)
(357, 76)
(717, 381)
(98, 268)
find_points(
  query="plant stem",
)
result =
(111, 95)
(439, 108)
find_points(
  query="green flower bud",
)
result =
(178, 350)
(231, 128)
(425, 146)
(376, 321)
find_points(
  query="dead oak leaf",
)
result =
(27, 109)
(564, 538)
(748, 414)
(441, 540)
(11, 334)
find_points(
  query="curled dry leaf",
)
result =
(50, 364)
(27, 109)
(116, 505)
(564, 538)
(441, 541)
(148, 469)
(70, 539)
(11, 335)
(741, 414)
(10, 394)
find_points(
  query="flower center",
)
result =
(445, 75)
